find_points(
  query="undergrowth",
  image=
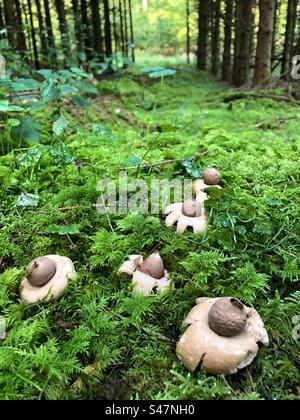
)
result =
(100, 341)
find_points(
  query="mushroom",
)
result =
(148, 275)
(222, 336)
(211, 178)
(46, 278)
(191, 213)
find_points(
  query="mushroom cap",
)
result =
(227, 317)
(212, 177)
(153, 266)
(40, 271)
(55, 287)
(142, 282)
(219, 355)
(192, 208)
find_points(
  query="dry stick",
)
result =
(260, 95)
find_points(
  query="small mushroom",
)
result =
(153, 266)
(46, 278)
(212, 176)
(222, 336)
(191, 213)
(192, 208)
(227, 317)
(148, 275)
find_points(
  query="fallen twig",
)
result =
(259, 95)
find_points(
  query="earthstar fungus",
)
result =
(222, 336)
(46, 278)
(148, 275)
(191, 213)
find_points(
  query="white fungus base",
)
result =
(216, 354)
(65, 272)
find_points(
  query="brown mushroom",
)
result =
(46, 278)
(217, 352)
(40, 271)
(212, 176)
(227, 317)
(148, 276)
(192, 208)
(153, 266)
(191, 213)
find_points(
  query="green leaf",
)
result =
(27, 200)
(263, 228)
(101, 129)
(30, 158)
(14, 122)
(50, 91)
(61, 155)
(134, 160)
(47, 74)
(162, 73)
(6, 107)
(28, 129)
(81, 73)
(60, 125)
(67, 89)
(63, 230)
(152, 69)
(81, 101)
(191, 169)
(24, 85)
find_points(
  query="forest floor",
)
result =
(100, 341)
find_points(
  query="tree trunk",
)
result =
(188, 32)
(126, 28)
(77, 25)
(122, 27)
(10, 22)
(131, 32)
(50, 35)
(63, 26)
(228, 20)
(86, 31)
(97, 34)
(262, 71)
(33, 37)
(245, 17)
(42, 32)
(203, 16)
(27, 32)
(107, 29)
(275, 24)
(289, 38)
(21, 39)
(116, 37)
(215, 37)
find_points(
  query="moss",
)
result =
(99, 337)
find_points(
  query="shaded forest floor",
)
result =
(100, 341)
